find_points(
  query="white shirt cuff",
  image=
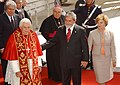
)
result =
(39, 61)
(14, 65)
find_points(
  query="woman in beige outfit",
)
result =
(101, 42)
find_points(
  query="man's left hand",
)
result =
(84, 64)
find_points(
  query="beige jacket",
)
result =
(94, 42)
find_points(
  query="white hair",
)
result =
(10, 3)
(72, 14)
(24, 20)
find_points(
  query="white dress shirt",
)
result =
(71, 28)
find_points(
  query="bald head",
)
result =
(57, 7)
(19, 4)
(24, 2)
(57, 11)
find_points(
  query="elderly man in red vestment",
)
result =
(23, 53)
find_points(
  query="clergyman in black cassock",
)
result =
(48, 29)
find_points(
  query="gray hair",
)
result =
(72, 14)
(24, 20)
(10, 3)
(57, 6)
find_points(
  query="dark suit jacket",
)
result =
(25, 13)
(74, 51)
(6, 28)
(2, 7)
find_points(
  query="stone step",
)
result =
(36, 6)
(110, 4)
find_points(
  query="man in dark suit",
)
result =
(22, 13)
(74, 52)
(8, 23)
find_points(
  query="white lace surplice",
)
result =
(13, 67)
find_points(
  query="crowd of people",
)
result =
(76, 40)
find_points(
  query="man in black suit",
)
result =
(74, 53)
(8, 23)
(22, 13)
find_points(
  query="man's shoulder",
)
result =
(17, 18)
(98, 6)
(16, 15)
(3, 17)
(79, 28)
(49, 18)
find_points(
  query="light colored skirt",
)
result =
(103, 68)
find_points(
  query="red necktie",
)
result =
(68, 34)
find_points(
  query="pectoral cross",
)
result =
(27, 46)
(28, 49)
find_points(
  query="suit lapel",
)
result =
(64, 33)
(8, 21)
(72, 35)
(6, 17)
(15, 22)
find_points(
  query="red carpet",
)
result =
(88, 78)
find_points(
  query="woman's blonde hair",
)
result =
(102, 17)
